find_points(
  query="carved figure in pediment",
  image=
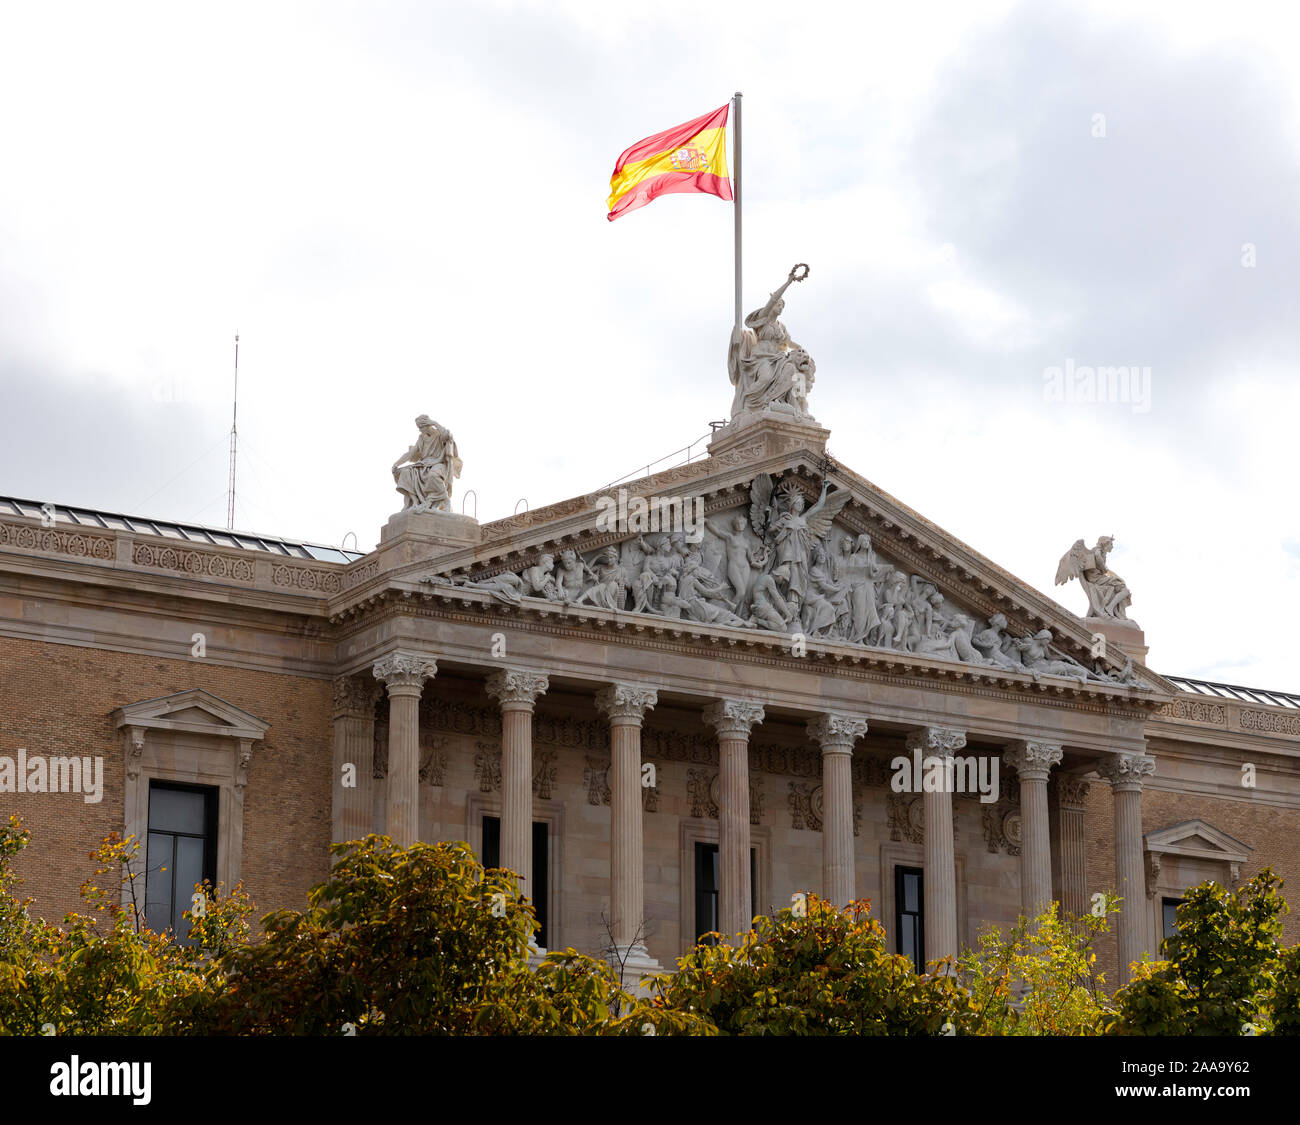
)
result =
(608, 582)
(897, 610)
(768, 609)
(658, 573)
(539, 579)
(1108, 596)
(826, 599)
(743, 558)
(570, 575)
(793, 533)
(507, 586)
(1038, 658)
(857, 565)
(996, 647)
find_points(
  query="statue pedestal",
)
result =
(414, 536)
(768, 434)
(1126, 636)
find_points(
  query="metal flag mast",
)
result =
(234, 413)
(735, 192)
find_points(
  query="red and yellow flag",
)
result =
(691, 157)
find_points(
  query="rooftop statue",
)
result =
(1107, 594)
(767, 368)
(424, 473)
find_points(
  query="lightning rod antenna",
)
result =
(234, 414)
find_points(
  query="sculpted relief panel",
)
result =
(781, 565)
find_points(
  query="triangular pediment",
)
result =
(197, 711)
(1197, 839)
(926, 578)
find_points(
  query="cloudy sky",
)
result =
(400, 208)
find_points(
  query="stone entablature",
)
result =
(1193, 716)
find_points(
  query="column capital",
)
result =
(936, 742)
(626, 703)
(733, 718)
(1071, 791)
(355, 697)
(1033, 761)
(836, 733)
(517, 687)
(1126, 772)
(404, 671)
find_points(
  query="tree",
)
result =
(1041, 978)
(1225, 973)
(812, 969)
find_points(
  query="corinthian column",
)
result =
(354, 753)
(403, 674)
(1125, 773)
(733, 719)
(1032, 762)
(626, 705)
(940, 861)
(517, 691)
(836, 735)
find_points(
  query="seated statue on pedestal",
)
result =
(424, 473)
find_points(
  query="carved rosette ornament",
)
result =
(517, 688)
(836, 733)
(404, 671)
(625, 703)
(733, 718)
(1032, 761)
(1126, 772)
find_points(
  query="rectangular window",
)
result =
(181, 851)
(707, 884)
(541, 867)
(1169, 916)
(909, 914)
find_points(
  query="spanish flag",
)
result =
(691, 157)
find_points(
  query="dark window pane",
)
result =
(1169, 916)
(491, 842)
(541, 878)
(909, 915)
(176, 810)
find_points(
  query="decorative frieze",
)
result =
(595, 778)
(487, 770)
(1269, 722)
(1194, 710)
(56, 541)
(199, 564)
(703, 788)
(309, 578)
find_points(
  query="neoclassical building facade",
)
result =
(668, 706)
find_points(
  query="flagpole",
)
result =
(735, 191)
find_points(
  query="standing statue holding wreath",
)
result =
(767, 368)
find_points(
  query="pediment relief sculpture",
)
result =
(780, 565)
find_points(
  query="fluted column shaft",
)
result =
(836, 735)
(354, 753)
(1126, 773)
(626, 705)
(733, 719)
(517, 691)
(1069, 847)
(1032, 762)
(403, 674)
(940, 859)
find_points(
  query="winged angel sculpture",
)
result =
(782, 565)
(1108, 596)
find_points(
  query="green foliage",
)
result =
(1041, 978)
(1225, 973)
(823, 972)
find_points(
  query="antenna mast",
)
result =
(234, 414)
